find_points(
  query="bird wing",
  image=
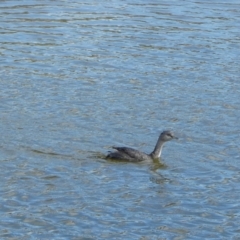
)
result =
(131, 152)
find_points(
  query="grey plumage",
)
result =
(133, 155)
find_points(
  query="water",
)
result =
(77, 78)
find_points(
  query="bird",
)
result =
(133, 155)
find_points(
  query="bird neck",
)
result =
(156, 153)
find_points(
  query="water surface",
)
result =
(77, 78)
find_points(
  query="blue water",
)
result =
(77, 78)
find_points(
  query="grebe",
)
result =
(133, 155)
